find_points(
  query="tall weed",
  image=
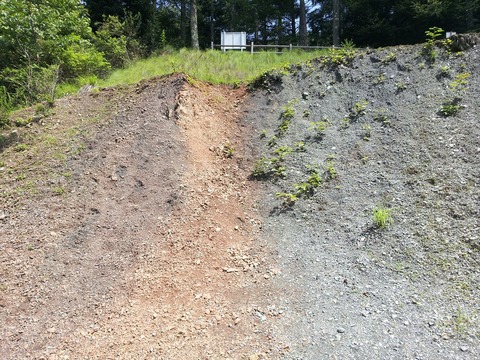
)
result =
(5, 107)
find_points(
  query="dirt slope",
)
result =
(150, 249)
(131, 227)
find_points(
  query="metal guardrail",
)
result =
(252, 46)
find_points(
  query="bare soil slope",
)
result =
(131, 226)
(141, 244)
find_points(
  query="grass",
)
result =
(216, 67)
(382, 217)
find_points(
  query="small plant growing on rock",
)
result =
(443, 72)
(450, 108)
(19, 122)
(300, 146)
(367, 128)
(21, 147)
(382, 217)
(358, 109)
(273, 141)
(344, 55)
(460, 83)
(319, 127)
(58, 190)
(228, 150)
(457, 86)
(330, 171)
(380, 79)
(381, 116)
(288, 112)
(279, 170)
(400, 86)
(345, 123)
(389, 58)
(307, 188)
(288, 199)
(283, 151)
(261, 168)
(432, 34)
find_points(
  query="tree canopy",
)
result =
(66, 39)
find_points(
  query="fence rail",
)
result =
(252, 46)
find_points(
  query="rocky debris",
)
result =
(352, 289)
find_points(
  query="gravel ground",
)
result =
(373, 132)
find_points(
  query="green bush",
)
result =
(78, 60)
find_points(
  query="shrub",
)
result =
(81, 60)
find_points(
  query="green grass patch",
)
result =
(216, 67)
(382, 217)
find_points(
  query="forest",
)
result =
(46, 42)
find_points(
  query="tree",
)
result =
(183, 22)
(303, 24)
(194, 24)
(336, 22)
(42, 43)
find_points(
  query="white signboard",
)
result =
(237, 39)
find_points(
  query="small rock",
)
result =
(3, 216)
(305, 95)
(464, 348)
(260, 315)
(340, 330)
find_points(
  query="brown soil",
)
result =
(142, 245)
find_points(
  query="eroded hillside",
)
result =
(178, 220)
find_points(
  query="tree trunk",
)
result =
(194, 24)
(293, 21)
(183, 22)
(336, 22)
(303, 24)
(212, 21)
